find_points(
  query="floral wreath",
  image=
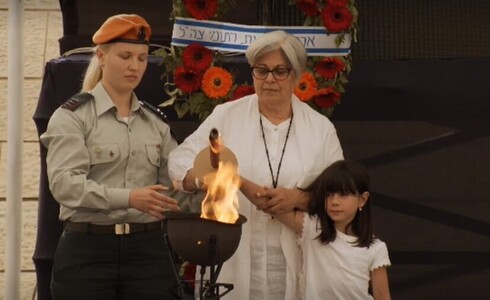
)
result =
(199, 83)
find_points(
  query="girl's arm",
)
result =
(379, 284)
(292, 219)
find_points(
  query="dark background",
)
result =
(415, 112)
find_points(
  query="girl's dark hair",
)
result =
(345, 178)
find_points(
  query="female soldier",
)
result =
(107, 167)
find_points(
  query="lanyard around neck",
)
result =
(275, 178)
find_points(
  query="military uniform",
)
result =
(94, 159)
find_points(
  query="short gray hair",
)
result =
(291, 47)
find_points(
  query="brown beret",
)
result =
(123, 28)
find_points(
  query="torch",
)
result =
(207, 161)
(210, 238)
(214, 147)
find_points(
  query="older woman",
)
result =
(280, 143)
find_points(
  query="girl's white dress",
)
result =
(339, 269)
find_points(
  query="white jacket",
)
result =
(238, 123)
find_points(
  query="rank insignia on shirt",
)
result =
(77, 100)
(160, 114)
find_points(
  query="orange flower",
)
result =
(216, 82)
(306, 87)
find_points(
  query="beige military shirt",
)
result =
(95, 158)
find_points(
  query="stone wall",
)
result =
(42, 29)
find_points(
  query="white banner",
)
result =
(232, 37)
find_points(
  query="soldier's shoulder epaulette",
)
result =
(160, 114)
(77, 100)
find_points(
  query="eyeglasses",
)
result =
(280, 73)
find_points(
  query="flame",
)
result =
(221, 201)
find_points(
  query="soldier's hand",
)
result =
(150, 199)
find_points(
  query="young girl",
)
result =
(340, 253)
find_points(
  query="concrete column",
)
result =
(14, 148)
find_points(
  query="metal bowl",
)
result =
(201, 241)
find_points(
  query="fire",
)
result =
(221, 201)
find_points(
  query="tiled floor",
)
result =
(42, 29)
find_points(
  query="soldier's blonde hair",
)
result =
(93, 74)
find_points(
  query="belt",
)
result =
(117, 229)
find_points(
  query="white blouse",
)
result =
(266, 263)
(339, 269)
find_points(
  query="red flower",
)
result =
(188, 80)
(197, 57)
(338, 3)
(306, 87)
(329, 67)
(336, 19)
(309, 7)
(327, 97)
(201, 9)
(216, 82)
(242, 91)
